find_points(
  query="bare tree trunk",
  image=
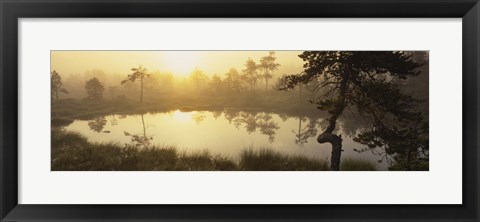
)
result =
(336, 141)
(327, 136)
(266, 84)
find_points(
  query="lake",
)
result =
(224, 132)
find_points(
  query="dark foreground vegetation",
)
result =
(73, 152)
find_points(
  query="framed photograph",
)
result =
(225, 110)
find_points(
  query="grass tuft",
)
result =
(270, 160)
(350, 164)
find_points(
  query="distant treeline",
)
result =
(256, 77)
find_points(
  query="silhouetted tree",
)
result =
(408, 144)
(139, 73)
(56, 85)
(268, 66)
(367, 80)
(418, 86)
(94, 89)
(250, 73)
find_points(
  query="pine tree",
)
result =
(56, 85)
(139, 73)
(268, 66)
(94, 89)
(368, 82)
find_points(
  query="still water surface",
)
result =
(225, 132)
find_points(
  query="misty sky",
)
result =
(179, 63)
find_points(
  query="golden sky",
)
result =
(180, 63)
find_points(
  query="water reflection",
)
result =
(97, 124)
(304, 133)
(233, 117)
(140, 140)
(252, 121)
(216, 114)
(199, 117)
(267, 126)
(114, 120)
(224, 132)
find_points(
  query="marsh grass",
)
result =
(270, 160)
(350, 164)
(72, 151)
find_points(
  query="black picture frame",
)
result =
(11, 11)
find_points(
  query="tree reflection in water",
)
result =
(252, 121)
(199, 117)
(97, 124)
(304, 133)
(140, 140)
(267, 126)
(233, 117)
(114, 120)
(216, 114)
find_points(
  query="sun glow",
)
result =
(181, 63)
(182, 116)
